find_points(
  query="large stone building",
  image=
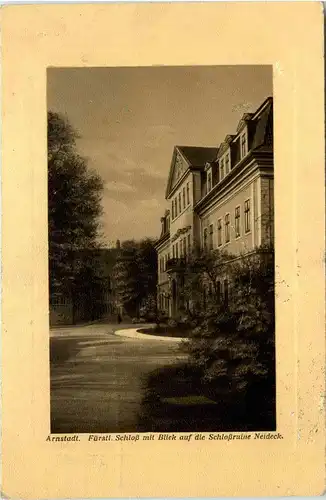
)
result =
(220, 198)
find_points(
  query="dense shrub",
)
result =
(232, 344)
(150, 312)
(136, 321)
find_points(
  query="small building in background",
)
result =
(91, 295)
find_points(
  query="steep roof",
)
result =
(198, 156)
(263, 135)
(194, 156)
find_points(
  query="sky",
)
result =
(130, 119)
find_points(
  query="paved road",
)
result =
(96, 377)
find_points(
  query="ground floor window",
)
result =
(226, 292)
(218, 291)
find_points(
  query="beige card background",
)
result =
(287, 35)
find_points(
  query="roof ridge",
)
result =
(196, 147)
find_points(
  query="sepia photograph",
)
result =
(161, 249)
(163, 264)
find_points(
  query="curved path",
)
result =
(97, 376)
(134, 333)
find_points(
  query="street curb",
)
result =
(135, 334)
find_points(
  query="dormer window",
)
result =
(162, 225)
(221, 169)
(243, 145)
(227, 163)
(209, 181)
(188, 198)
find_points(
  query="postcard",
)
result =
(163, 174)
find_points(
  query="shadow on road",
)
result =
(62, 349)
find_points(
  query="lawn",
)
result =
(176, 401)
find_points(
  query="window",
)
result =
(209, 181)
(204, 297)
(189, 244)
(184, 197)
(172, 209)
(175, 207)
(222, 169)
(227, 227)
(218, 291)
(184, 247)
(227, 163)
(237, 222)
(176, 251)
(226, 292)
(173, 251)
(188, 198)
(219, 232)
(205, 238)
(243, 142)
(210, 243)
(179, 203)
(180, 243)
(247, 216)
(168, 223)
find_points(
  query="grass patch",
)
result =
(191, 400)
(176, 401)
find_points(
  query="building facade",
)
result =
(220, 198)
